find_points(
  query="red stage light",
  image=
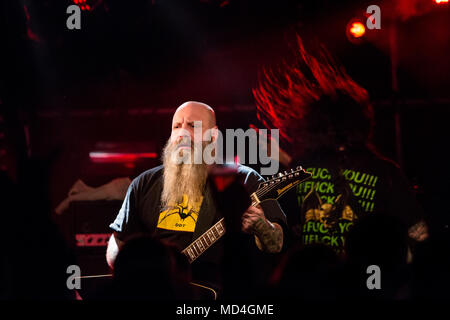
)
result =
(119, 157)
(441, 1)
(357, 29)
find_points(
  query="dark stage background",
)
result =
(114, 84)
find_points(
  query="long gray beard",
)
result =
(181, 179)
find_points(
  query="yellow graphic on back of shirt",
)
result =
(180, 217)
(319, 211)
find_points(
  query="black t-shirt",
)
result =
(141, 212)
(374, 184)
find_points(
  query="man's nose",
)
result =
(184, 135)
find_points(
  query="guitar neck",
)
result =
(207, 239)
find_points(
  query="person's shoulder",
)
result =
(148, 175)
(381, 160)
(240, 168)
(367, 157)
(245, 169)
(152, 171)
(250, 174)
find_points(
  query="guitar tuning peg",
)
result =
(285, 172)
(292, 170)
(280, 175)
(299, 168)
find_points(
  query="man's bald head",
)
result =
(196, 111)
(189, 115)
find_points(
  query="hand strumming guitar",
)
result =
(268, 235)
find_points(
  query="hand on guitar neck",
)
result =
(268, 235)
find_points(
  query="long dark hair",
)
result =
(314, 103)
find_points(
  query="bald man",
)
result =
(173, 203)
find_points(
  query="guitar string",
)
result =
(258, 192)
(264, 189)
(204, 236)
(198, 240)
(272, 186)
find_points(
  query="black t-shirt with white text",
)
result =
(374, 184)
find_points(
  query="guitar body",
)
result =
(205, 291)
(269, 190)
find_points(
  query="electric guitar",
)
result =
(271, 189)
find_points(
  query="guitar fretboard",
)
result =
(196, 248)
(285, 181)
(207, 239)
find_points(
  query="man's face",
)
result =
(184, 122)
(185, 170)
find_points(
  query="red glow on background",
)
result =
(30, 34)
(120, 157)
(27, 15)
(441, 1)
(222, 182)
(283, 96)
(357, 29)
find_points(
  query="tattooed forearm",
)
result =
(268, 236)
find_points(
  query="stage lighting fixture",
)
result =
(355, 31)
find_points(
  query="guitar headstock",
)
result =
(280, 183)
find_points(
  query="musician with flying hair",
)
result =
(326, 123)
